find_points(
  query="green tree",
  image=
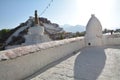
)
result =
(77, 34)
(117, 30)
(105, 30)
(80, 34)
(4, 34)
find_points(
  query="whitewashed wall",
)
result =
(19, 30)
(18, 63)
(111, 39)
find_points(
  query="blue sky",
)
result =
(73, 12)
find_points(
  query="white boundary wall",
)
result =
(18, 63)
(111, 39)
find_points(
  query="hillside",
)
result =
(16, 36)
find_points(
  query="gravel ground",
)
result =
(91, 63)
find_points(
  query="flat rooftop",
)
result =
(90, 63)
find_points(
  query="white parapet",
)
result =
(113, 39)
(18, 63)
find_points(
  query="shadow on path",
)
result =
(89, 63)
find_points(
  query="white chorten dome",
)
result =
(36, 33)
(93, 35)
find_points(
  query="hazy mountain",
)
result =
(70, 28)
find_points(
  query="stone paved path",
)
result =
(93, 63)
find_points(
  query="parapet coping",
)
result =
(30, 49)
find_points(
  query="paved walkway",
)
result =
(93, 63)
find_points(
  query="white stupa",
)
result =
(93, 36)
(36, 33)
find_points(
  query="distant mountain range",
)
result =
(70, 28)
